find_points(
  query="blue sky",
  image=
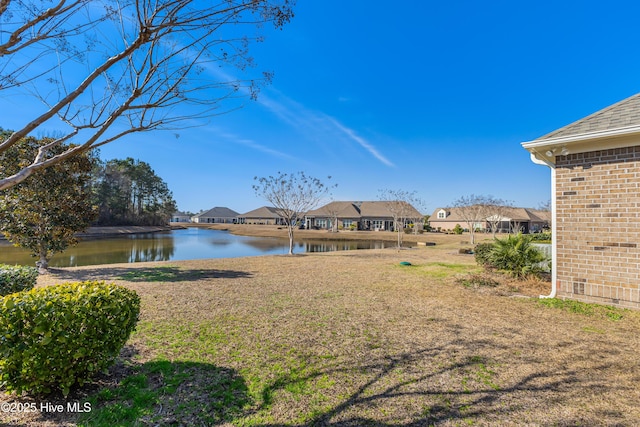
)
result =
(429, 96)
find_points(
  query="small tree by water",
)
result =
(44, 212)
(293, 195)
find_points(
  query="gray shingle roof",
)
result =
(371, 209)
(342, 209)
(263, 212)
(218, 212)
(620, 115)
(381, 209)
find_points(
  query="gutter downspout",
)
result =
(554, 242)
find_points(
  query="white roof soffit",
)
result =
(546, 150)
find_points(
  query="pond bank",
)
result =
(119, 230)
(96, 232)
(450, 240)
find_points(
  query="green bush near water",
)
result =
(16, 278)
(55, 337)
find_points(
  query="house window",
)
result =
(322, 223)
(442, 215)
(347, 223)
(377, 224)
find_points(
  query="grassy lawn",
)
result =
(354, 338)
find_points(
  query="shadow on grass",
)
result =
(478, 399)
(459, 390)
(155, 393)
(170, 393)
(149, 274)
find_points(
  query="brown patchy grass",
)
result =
(354, 338)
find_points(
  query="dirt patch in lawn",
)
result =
(356, 338)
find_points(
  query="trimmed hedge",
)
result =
(16, 278)
(55, 337)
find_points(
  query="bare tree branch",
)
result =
(125, 66)
(474, 210)
(400, 204)
(292, 195)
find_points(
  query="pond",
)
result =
(176, 245)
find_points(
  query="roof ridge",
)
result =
(590, 118)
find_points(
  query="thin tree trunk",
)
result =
(290, 231)
(43, 263)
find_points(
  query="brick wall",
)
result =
(598, 226)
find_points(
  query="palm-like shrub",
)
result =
(517, 255)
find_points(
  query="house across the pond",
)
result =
(374, 216)
(266, 215)
(217, 215)
(179, 216)
(507, 220)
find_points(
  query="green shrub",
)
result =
(458, 229)
(59, 336)
(516, 255)
(16, 278)
(482, 253)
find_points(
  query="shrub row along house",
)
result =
(506, 220)
(595, 179)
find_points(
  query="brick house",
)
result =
(595, 178)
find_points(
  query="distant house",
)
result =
(523, 220)
(180, 217)
(347, 215)
(374, 216)
(266, 215)
(216, 215)
(595, 204)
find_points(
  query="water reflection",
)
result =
(191, 243)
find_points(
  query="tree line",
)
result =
(128, 192)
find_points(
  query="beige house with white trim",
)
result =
(265, 215)
(511, 220)
(595, 179)
(371, 215)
